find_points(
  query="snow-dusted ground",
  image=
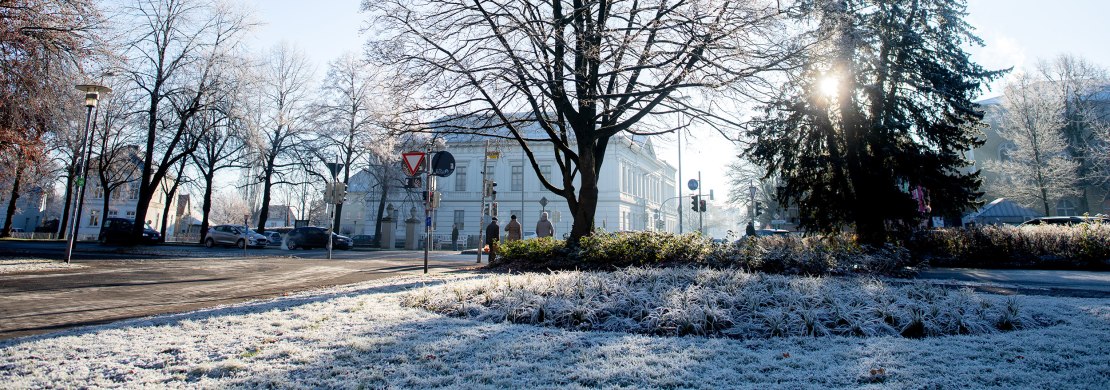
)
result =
(23, 264)
(363, 337)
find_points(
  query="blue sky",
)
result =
(1016, 32)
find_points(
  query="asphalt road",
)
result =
(163, 280)
(1083, 284)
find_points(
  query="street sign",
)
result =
(543, 201)
(334, 168)
(693, 184)
(414, 182)
(443, 164)
(413, 161)
(428, 221)
(493, 154)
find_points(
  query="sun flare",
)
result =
(829, 85)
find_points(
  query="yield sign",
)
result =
(413, 161)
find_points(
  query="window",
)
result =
(460, 217)
(116, 194)
(113, 213)
(1065, 207)
(491, 172)
(94, 218)
(131, 215)
(460, 178)
(518, 178)
(518, 215)
(133, 192)
(545, 170)
(98, 192)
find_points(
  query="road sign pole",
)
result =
(701, 221)
(427, 206)
(482, 206)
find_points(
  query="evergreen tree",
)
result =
(883, 107)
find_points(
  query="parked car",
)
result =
(1073, 220)
(274, 237)
(363, 239)
(771, 232)
(119, 230)
(233, 235)
(529, 235)
(309, 237)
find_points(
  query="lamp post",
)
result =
(92, 96)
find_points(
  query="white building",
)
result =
(634, 184)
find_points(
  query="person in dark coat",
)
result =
(543, 227)
(493, 235)
(455, 236)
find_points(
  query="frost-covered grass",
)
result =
(363, 337)
(22, 264)
(728, 303)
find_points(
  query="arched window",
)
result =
(1065, 207)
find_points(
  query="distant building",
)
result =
(30, 208)
(634, 190)
(123, 202)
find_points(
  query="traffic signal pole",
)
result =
(482, 209)
(701, 222)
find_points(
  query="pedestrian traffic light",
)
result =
(703, 205)
(493, 209)
(758, 208)
(694, 202)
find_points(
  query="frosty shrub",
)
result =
(723, 303)
(1084, 246)
(795, 255)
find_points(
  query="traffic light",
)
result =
(694, 202)
(340, 192)
(493, 209)
(703, 205)
(758, 208)
(490, 189)
(436, 197)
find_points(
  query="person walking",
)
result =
(513, 229)
(455, 236)
(493, 233)
(543, 227)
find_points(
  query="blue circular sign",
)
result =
(693, 184)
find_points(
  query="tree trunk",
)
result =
(585, 207)
(206, 205)
(63, 222)
(381, 214)
(19, 166)
(264, 210)
(166, 209)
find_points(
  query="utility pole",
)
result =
(428, 188)
(482, 208)
(701, 222)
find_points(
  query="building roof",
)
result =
(1005, 208)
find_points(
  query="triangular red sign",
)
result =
(413, 161)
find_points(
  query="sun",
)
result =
(829, 86)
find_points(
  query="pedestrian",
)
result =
(455, 236)
(493, 232)
(750, 230)
(513, 229)
(543, 227)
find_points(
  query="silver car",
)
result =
(233, 235)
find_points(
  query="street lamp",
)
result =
(92, 96)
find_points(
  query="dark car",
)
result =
(274, 237)
(309, 237)
(1074, 220)
(119, 230)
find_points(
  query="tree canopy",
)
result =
(882, 109)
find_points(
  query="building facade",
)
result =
(633, 190)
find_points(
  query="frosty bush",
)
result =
(1084, 246)
(796, 255)
(722, 303)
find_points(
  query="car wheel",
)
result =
(241, 244)
(209, 242)
(290, 244)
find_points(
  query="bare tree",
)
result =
(347, 114)
(176, 48)
(572, 75)
(220, 148)
(228, 207)
(282, 125)
(116, 162)
(1036, 169)
(1082, 85)
(43, 42)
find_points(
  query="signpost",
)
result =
(443, 164)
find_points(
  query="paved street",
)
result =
(1086, 284)
(174, 279)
